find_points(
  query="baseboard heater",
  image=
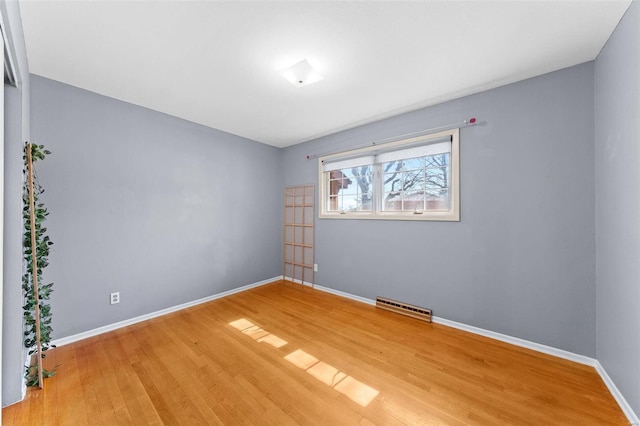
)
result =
(404, 309)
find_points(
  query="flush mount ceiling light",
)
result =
(301, 74)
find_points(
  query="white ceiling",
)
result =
(216, 62)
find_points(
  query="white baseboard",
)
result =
(615, 392)
(297, 281)
(347, 295)
(549, 350)
(481, 331)
(560, 353)
(96, 331)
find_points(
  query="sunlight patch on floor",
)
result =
(301, 359)
(357, 391)
(257, 333)
(273, 340)
(353, 389)
(326, 373)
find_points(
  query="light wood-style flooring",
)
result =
(285, 354)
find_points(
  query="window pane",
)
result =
(413, 180)
(437, 199)
(438, 177)
(350, 189)
(393, 166)
(333, 203)
(348, 203)
(414, 163)
(416, 183)
(437, 160)
(413, 200)
(396, 180)
(392, 182)
(392, 201)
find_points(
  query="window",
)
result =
(411, 179)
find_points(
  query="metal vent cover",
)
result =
(403, 308)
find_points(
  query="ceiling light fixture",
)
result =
(301, 74)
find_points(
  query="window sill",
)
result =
(443, 216)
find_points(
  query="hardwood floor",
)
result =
(285, 354)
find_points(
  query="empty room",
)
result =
(320, 212)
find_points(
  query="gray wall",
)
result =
(521, 260)
(141, 203)
(160, 209)
(13, 355)
(17, 130)
(617, 178)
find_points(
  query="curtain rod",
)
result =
(466, 123)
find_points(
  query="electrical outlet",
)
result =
(315, 267)
(115, 298)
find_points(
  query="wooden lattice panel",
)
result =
(298, 235)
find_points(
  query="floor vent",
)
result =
(404, 309)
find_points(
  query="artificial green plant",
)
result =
(42, 243)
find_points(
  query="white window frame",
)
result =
(452, 214)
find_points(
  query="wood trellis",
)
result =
(298, 235)
(34, 260)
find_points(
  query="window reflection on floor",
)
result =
(353, 389)
(326, 373)
(257, 333)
